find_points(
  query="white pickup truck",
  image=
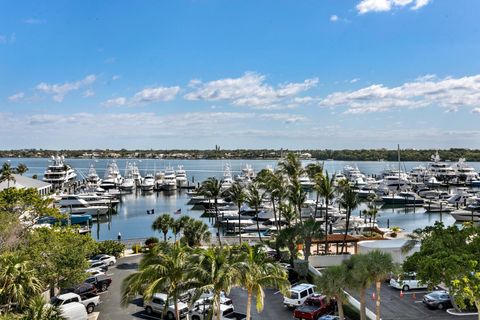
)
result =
(157, 305)
(90, 301)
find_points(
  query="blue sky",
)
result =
(240, 74)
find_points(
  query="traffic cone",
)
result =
(401, 294)
(414, 296)
(373, 295)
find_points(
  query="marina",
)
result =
(119, 203)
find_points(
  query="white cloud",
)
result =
(59, 91)
(17, 97)
(366, 6)
(88, 93)
(33, 21)
(476, 110)
(334, 18)
(249, 90)
(284, 117)
(354, 80)
(156, 94)
(449, 93)
(116, 77)
(115, 102)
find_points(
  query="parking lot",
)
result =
(410, 307)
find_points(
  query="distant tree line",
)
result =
(452, 154)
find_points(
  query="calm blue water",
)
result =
(133, 222)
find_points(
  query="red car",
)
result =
(314, 307)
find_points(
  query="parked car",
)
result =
(108, 259)
(438, 300)
(81, 289)
(315, 306)
(73, 311)
(407, 281)
(201, 309)
(329, 317)
(90, 301)
(96, 267)
(235, 316)
(101, 282)
(157, 305)
(298, 295)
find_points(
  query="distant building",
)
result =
(22, 182)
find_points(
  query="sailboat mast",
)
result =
(399, 165)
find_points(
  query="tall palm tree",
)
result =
(349, 201)
(332, 283)
(7, 173)
(288, 237)
(297, 196)
(413, 239)
(166, 268)
(327, 191)
(38, 310)
(215, 270)
(237, 194)
(371, 212)
(195, 232)
(288, 212)
(313, 169)
(317, 180)
(21, 169)
(291, 166)
(19, 282)
(254, 200)
(273, 183)
(212, 189)
(359, 278)
(163, 223)
(257, 272)
(179, 225)
(378, 264)
(308, 230)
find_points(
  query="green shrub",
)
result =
(111, 247)
(150, 242)
(301, 267)
(137, 248)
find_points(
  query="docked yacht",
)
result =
(440, 170)
(128, 183)
(305, 182)
(59, 173)
(181, 176)
(112, 177)
(92, 176)
(465, 173)
(403, 198)
(169, 180)
(247, 175)
(353, 175)
(148, 182)
(74, 204)
(137, 177)
(227, 179)
(466, 215)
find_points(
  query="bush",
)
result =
(152, 241)
(137, 248)
(301, 267)
(111, 247)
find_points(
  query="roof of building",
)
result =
(337, 238)
(24, 182)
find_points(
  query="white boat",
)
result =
(112, 177)
(439, 169)
(227, 179)
(74, 204)
(181, 177)
(169, 180)
(59, 173)
(247, 175)
(402, 198)
(305, 182)
(137, 177)
(465, 172)
(128, 183)
(148, 182)
(465, 215)
(94, 199)
(92, 176)
(354, 176)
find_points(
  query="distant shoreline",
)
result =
(452, 154)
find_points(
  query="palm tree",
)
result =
(313, 169)
(195, 232)
(372, 214)
(359, 278)
(327, 191)
(308, 230)
(163, 223)
(288, 212)
(332, 283)
(257, 272)
(237, 194)
(18, 281)
(179, 224)
(38, 310)
(348, 201)
(254, 200)
(288, 237)
(291, 166)
(413, 239)
(212, 189)
(7, 173)
(166, 268)
(378, 264)
(317, 180)
(274, 184)
(215, 270)
(297, 196)
(21, 169)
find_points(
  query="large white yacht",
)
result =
(92, 176)
(137, 177)
(75, 204)
(128, 183)
(353, 175)
(465, 172)
(112, 177)
(181, 176)
(439, 169)
(59, 173)
(169, 180)
(148, 182)
(227, 179)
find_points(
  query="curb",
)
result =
(454, 312)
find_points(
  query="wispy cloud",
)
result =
(145, 96)
(17, 97)
(34, 21)
(450, 93)
(59, 91)
(88, 93)
(249, 90)
(366, 6)
(334, 18)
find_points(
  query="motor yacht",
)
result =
(128, 183)
(137, 177)
(466, 215)
(112, 177)
(148, 182)
(92, 176)
(169, 180)
(227, 179)
(403, 198)
(440, 170)
(181, 176)
(74, 204)
(58, 173)
(465, 172)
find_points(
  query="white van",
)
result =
(74, 311)
(407, 281)
(298, 295)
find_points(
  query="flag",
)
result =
(179, 211)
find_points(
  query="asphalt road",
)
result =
(410, 307)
